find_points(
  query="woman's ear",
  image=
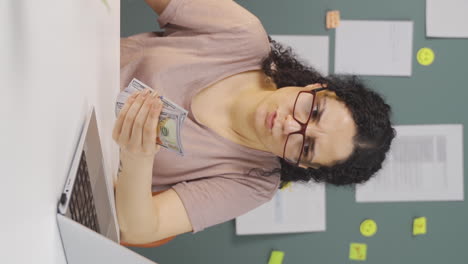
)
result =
(313, 166)
(315, 86)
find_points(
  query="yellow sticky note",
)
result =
(276, 257)
(333, 19)
(368, 227)
(287, 186)
(425, 56)
(357, 251)
(419, 226)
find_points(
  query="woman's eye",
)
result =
(306, 149)
(315, 113)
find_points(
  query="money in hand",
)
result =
(171, 118)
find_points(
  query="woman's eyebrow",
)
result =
(322, 108)
(310, 139)
(311, 150)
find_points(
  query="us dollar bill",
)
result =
(171, 119)
(168, 132)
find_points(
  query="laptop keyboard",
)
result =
(82, 208)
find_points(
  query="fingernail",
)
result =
(145, 94)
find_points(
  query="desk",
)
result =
(58, 59)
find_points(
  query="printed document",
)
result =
(295, 209)
(425, 163)
(374, 47)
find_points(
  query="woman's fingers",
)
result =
(136, 126)
(150, 130)
(121, 118)
(136, 139)
(126, 132)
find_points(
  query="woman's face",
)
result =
(329, 135)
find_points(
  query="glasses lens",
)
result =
(293, 147)
(303, 107)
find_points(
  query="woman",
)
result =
(258, 118)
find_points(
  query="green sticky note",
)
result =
(276, 257)
(419, 226)
(357, 251)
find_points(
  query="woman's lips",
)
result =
(271, 119)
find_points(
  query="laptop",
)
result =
(86, 210)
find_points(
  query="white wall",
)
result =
(58, 58)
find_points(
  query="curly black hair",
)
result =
(368, 109)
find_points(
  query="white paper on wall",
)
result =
(447, 18)
(311, 49)
(425, 163)
(298, 208)
(365, 47)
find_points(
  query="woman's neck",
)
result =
(242, 105)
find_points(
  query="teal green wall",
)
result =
(432, 95)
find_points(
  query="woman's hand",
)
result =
(136, 127)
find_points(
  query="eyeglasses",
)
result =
(302, 112)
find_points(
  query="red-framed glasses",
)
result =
(302, 112)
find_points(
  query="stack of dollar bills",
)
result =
(171, 118)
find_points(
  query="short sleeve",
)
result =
(212, 201)
(204, 16)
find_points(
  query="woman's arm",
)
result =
(158, 5)
(136, 212)
(144, 218)
(135, 131)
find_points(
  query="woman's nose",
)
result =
(291, 125)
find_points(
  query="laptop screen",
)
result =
(88, 196)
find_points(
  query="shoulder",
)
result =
(266, 185)
(252, 39)
(218, 199)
